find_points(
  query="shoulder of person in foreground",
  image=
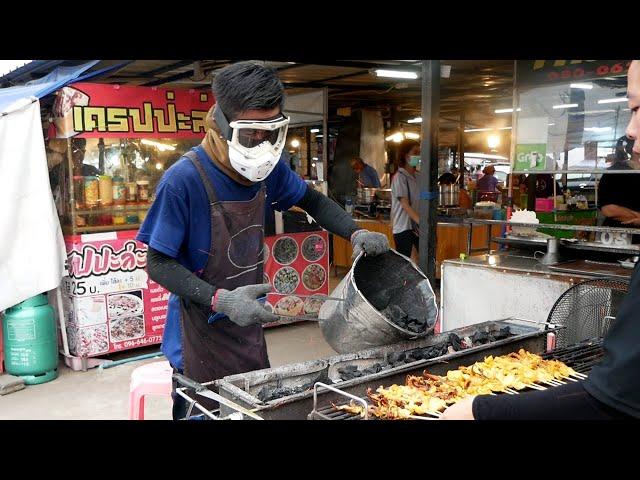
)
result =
(285, 187)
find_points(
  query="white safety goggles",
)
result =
(251, 134)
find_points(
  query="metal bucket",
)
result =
(356, 324)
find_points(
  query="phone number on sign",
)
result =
(579, 72)
(141, 341)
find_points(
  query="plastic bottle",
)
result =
(348, 206)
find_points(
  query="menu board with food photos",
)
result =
(297, 267)
(109, 302)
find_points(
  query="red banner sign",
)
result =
(120, 111)
(541, 72)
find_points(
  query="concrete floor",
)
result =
(104, 394)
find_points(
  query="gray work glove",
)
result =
(241, 304)
(372, 243)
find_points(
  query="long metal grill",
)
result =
(581, 357)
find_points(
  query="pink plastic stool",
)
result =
(150, 379)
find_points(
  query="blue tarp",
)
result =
(41, 87)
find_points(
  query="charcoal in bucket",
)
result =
(396, 290)
(387, 300)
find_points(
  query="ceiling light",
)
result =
(415, 120)
(550, 124)
(396, 137)
(411, 135)
(583, 86)
(314, 130)
(396, 74)
(506, 110)
(160, 146)
(592, 112)
(319, 136)
(493, 141)
(597, 129)
(295, 143)
(504, 128)
(565, 105)
(159, 166)
(478, 130)
(613, 100)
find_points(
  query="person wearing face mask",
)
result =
(205, 229)
(612, 389)
(405, 198)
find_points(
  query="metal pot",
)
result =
(366, 195)
(449, 195)
(384, 194)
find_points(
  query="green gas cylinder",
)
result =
(30, 341)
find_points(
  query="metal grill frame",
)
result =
(581, 357)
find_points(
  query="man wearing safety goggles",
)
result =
(205, 229)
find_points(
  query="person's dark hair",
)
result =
(247, 86)
(405, 147)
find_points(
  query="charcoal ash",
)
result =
(453, 344)
(266, 394)
(398, 316)
(394, 288)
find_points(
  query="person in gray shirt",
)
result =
(405, 198)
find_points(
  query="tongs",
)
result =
(306, 317)
(205, 392)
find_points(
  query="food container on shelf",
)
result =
(544, 204)
(78, 191)
(91, 191)
(143, 190)
(105, 184)
(119, 191)
(132, 192)
(484, 210)
(119, 215)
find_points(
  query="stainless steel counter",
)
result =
(482, 287)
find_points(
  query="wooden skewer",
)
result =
(570, 379)
(553, 382)
(417, 417)
(511, 391)
(435, 414)
(536, 387)
(581, 376)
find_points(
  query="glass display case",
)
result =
(568, 139)
(108, 184)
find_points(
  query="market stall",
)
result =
(568, 152)
(108, 147)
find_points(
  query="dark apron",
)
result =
(212, 351)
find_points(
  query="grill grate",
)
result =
(581, 357)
